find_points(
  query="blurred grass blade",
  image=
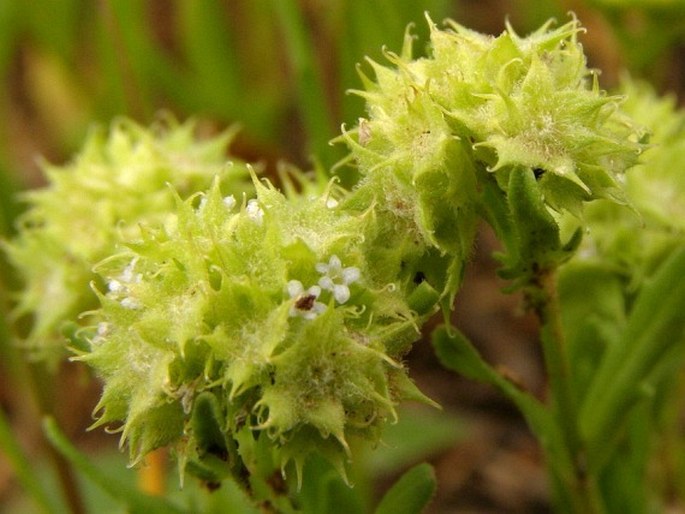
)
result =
(208, 46)
(24, 469)
(11, 24)
(655, 325)
(54, 24)
(311, 96)
(136, 501)
(143, 67)
(411, 493)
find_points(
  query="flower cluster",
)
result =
(480, 106)
(120, 179)
(212, 306)
(305, 303)
(232, 322)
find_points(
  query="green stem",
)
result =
(582, 491)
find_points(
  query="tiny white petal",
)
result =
(103, 327)
(350, 275)
(334, 263)
(295, 288)
(326, 283)
(331, 203)
(341, 293)
(314, 291)
(127, 276)
(254, 211)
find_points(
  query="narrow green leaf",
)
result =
(136, 501)
(655, 324)
(411, 493)
(323, 490)
(457, 353)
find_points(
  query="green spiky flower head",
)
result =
(119, 179)
(250, 322)
(479, 105)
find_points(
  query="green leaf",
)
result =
(421, 432)
(323, 490)
(457, 353)
(411, 493)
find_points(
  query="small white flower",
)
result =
(128, 277)
(331, 203)
(130, 303)
(120, 286)
(103, 328)
(229, 201)
(305, 304)
(115, 286)
(102, 331)
(254, 211)
(337, 279)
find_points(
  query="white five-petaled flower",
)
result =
(254, 211)
(337, 279)
(305, 304)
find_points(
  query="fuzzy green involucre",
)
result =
(266, 315)
(119, 179)
(479, 105)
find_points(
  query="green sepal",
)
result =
(73, 333)
(216, 455)
(153, 428)
(423, 299)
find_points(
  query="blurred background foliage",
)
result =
(278, 68)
